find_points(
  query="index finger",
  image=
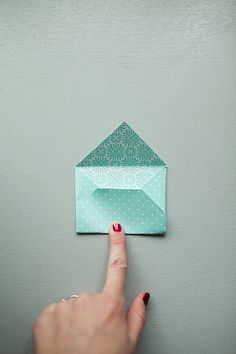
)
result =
(117, 261)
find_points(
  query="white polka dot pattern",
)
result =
(135, 196)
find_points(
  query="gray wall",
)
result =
(70, 72)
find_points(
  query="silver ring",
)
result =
(70, 297)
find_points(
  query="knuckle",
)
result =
(59, 308)
(49, 309)
(80, 296)
(111, 307)
(118, 241)
(114, 303)
(37, 324)
(43, 316)
(82, 299)
(119, 262)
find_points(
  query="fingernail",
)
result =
(146, 298)
(116, 227)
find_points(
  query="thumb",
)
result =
(136, 315)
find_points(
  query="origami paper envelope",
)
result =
(121, 180)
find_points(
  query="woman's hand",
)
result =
(95, 323)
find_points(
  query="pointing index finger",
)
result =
(117, 262)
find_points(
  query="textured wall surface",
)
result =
(70, 72)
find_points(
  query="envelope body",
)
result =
(122, 180)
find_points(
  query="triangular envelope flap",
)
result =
(155, 188)
(119, 177)
(84, 185)
(123, 147)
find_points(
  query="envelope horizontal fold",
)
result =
(121, 180)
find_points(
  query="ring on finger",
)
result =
(74, 296)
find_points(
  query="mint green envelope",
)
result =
(122, 180)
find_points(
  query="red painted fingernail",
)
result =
(146, 298)
(116, 227)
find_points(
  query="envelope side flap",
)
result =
(155, 188)
(84, 186)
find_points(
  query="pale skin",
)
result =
(95, 323)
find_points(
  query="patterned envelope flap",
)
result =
(123, 147)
